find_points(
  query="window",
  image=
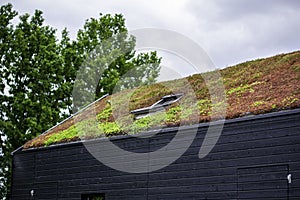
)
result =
(156, 107)
(167, 100)
(93, 197)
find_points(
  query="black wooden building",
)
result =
(256, 157)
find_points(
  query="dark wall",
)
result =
(251, 160)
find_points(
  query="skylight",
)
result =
(157, 106)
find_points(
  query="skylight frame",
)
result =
(157, 106)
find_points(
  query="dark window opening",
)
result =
(93, 197)
(156, 107)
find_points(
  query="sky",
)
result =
(229, 31)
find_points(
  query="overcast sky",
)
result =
(230, 31)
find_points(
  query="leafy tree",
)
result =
(6, 30)
(109, 60)
(38, 71)
(34, 77)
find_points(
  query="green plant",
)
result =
(105, 114)
(289, 100)
(109, 128)
(243, 88)
(141, 124)
(146, 123)
(258, 103)
(173, 114)
(204, 106)
(69, 133)
(296, 68)
(238, 80)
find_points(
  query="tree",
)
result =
(6, 30)
(109, 60)
(34, 77)
(38, 72)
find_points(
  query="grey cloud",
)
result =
(224, 10)
(239, 30)
(241, 8)
(230, 31)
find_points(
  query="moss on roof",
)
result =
(255, 87)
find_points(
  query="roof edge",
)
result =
(72, 115)
(186, 127)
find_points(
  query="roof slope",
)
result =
(254, 87)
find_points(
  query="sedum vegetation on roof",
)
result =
(253, 87)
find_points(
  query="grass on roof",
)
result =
(253, 87)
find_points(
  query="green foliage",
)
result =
(146, 123)
(6, 39)
(65, 135)
(274, 106)
(173, 114)
(288, 101)
(109, 128)
(38, 72)
(112, 63)
(105, 114)
(242, 89)
(258, 103)
(83, 129)
(296, 68)
(33, 73)
(204, 106)
(263, 98)
(96, 198)
(141, 124)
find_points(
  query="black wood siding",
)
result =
(248, 157)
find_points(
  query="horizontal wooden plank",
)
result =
(232, 169)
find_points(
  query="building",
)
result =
(256, 155)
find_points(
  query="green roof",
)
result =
(253, 87)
